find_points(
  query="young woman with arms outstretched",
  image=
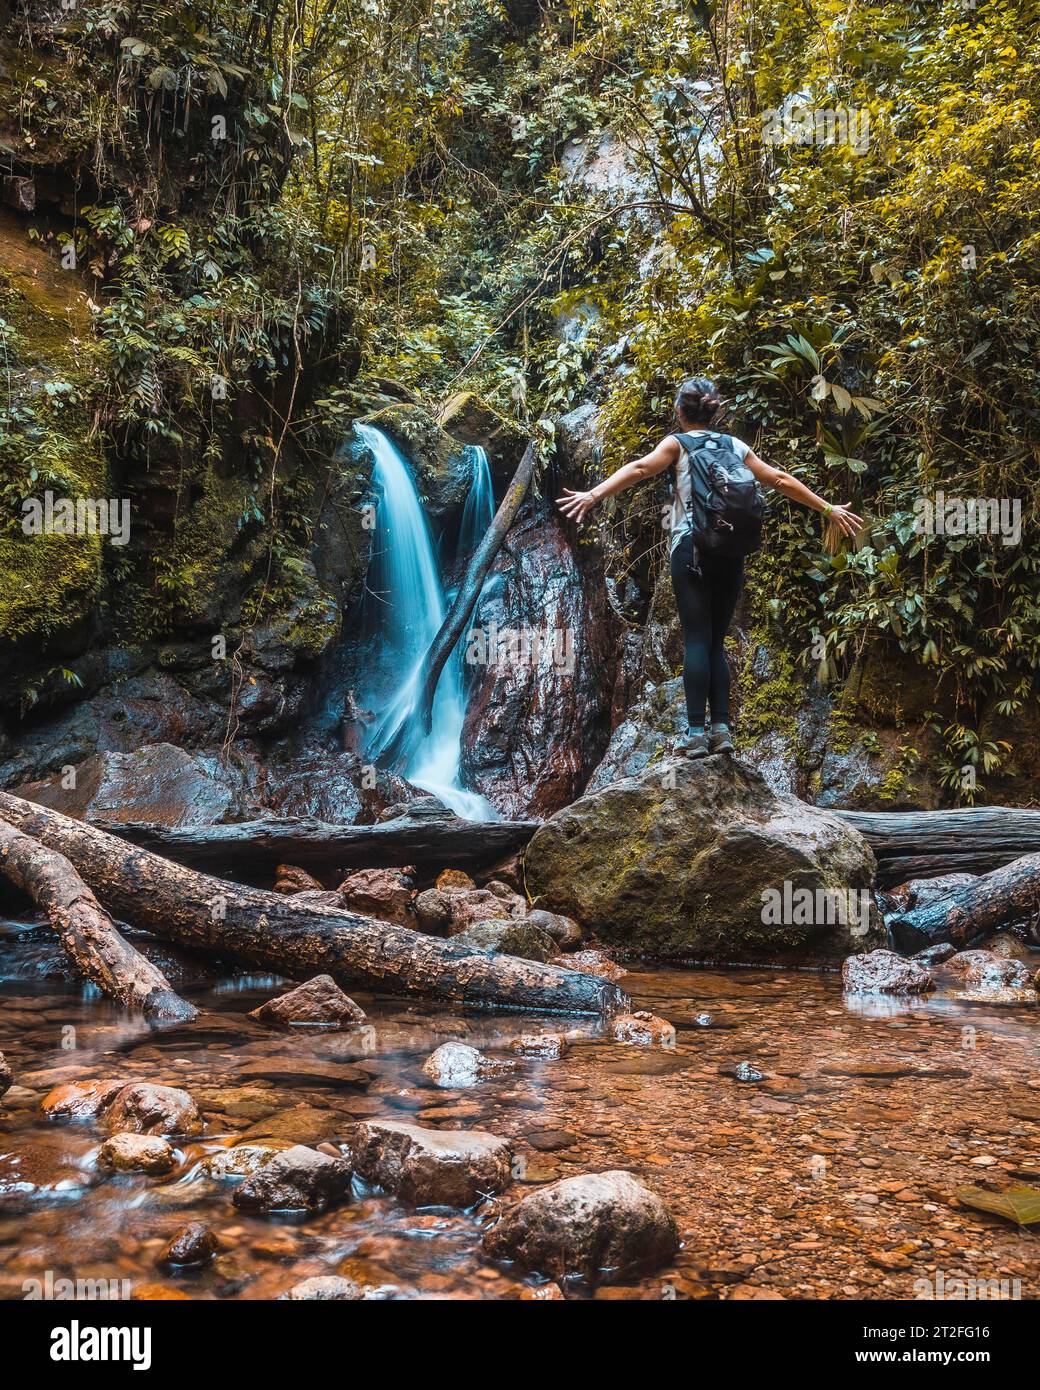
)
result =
(707, 584)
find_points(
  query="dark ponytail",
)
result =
(698, 402)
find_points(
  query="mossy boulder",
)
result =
(468, 418)
(702, 860)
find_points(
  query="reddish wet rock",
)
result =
(80, 1100)
(192, 1246)
(140, 1153)
(6, 1075)
(290, 879)
(383, 893)
(456, 1064)
(320, 1003)
(885, 972)
(431, 1167)
(296, 1179)
(591, 962)
(143, 1108)
(550, 1045)
(643, 1028)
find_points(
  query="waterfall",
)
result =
(407, 588)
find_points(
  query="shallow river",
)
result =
(833, 1177)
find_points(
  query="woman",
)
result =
(706, 585)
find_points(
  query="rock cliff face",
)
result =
(538, 717)
(703, 861)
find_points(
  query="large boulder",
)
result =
(382, 893)
(431, 1167)
(702, 860)
(600, 1227)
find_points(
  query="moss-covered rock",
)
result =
(702, 861)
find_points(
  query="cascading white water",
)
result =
(408, 588)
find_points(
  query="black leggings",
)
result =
(706, 603)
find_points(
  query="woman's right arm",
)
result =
(575, 505)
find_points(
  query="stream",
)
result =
(830, 1178)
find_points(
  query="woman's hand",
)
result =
(844, 518)
(576, 505)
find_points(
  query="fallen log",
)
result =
(924, 844)
(254, 849)
(1007, 895)
(270, 931)
(88, 935)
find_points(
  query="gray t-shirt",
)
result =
(727, 446)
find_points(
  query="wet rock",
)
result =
(143, 1108)
(563, 930)
(935, 955)
(136, 1153)
(193, 1246)
(699, 859)
(382, 893)
(6, 1075)
(509, 871)
(325, 1288)
(600, 1227)
(884, 972)
(544, 1293)
(80, 1100)
(470, 420)
(920, 892)
(456, 1065)
(983, 970)
(431, 1167)
(481, 905)
(158, 783)
(509, 938)
(644, 1028)
(591, 963)
(46, 1167)
(650, 725)
(242, 1160)
(747, 1072)
(550, 1045)
(433, 909)
(318, 1003)
(1009, 947)
(454, 881)
(289, 879)
(296, 1179)
(536, 726)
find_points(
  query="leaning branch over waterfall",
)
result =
(87, 933)
(454, 624)
(272, 932)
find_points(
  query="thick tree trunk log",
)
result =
(454, 624)
(252, 850)
(87, 933)
(1010, 894)
(924, 844)
(272, 932)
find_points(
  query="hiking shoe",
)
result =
(719, 740)
(691, 746)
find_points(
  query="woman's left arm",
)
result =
(574, 505)
(789, 486)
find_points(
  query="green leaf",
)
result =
(1019, 1204)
